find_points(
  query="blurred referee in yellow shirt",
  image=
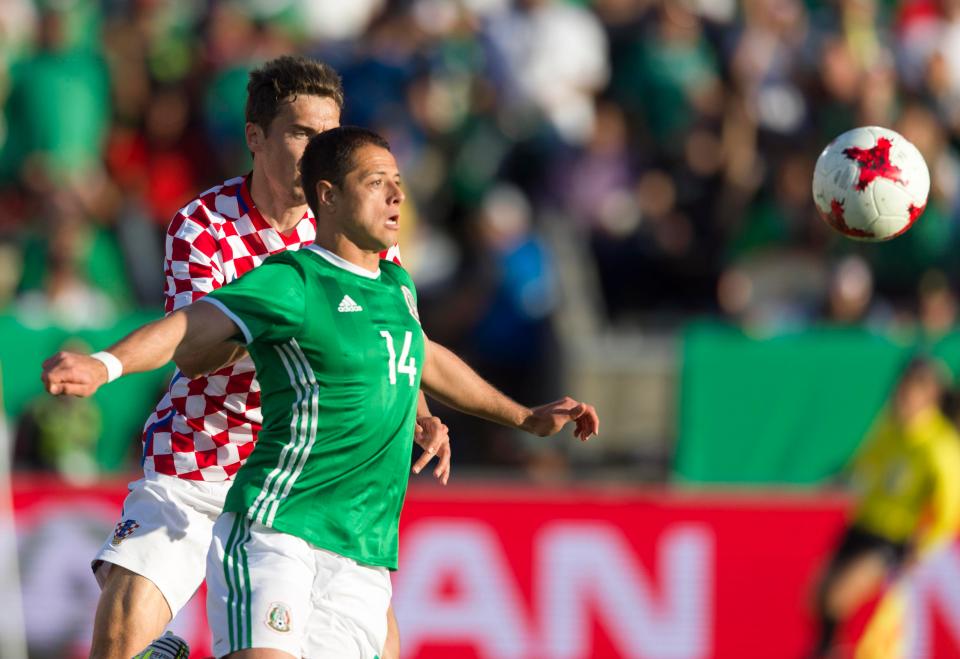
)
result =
(907, 481)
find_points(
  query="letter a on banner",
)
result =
(487, 610)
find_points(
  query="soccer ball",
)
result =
(870, 184)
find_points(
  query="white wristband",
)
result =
(114, 366)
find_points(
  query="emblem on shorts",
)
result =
(411, 303)
(278, 617)
(123, 529)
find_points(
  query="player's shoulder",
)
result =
(398, 276)
(294, 260)
(213, 206)
(946, 441)
(395, 271)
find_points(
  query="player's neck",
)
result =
(339, 244)
(277, 208)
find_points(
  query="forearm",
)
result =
(195, 334)
(152, 345)
(422, 408)
(192, 330)
(450, 380)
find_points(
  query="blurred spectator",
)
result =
(58, 105)
(937, 305)
(551, 55)
(504, 314)
(770, 61)
(906, 477)
(511, 330)
(62, 292)
(772, 291)
(850, 296)
(157, 164)
(59, 435)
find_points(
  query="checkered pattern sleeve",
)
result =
(192, 264)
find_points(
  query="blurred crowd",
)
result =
(672, 141)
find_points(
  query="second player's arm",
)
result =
(450, 380)
(210, 360)
(433, 437)
(189, 331)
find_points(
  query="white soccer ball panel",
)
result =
(864, 137)
(890, 198)
(860, 208)
(832, 180)
(891, 226)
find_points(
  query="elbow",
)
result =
(188, 367)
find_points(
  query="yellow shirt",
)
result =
(908, 480)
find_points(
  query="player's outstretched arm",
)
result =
(450, 380)
(189, 330)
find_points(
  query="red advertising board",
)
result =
(488, 571)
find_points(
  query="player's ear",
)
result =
(326, 194)
(255, 136)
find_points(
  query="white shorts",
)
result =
(267, 589)
(164, 532)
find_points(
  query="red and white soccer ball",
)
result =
(871, 184)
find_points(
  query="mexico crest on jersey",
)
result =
(123, 529)
(411, 303)
(278, 617)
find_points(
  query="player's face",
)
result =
(278, 150)
(372, 197)
(914, 395)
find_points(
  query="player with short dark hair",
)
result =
(282, 80)
(205, 427)
(310, 526)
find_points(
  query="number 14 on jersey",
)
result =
(406, 365)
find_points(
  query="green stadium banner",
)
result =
(123, 406)
(786, 409)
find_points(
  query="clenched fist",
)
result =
(73, 374)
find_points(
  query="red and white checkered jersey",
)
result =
(205, 428)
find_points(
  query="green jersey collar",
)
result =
(341, 262)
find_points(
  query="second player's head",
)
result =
(922, 385)
(289, 100)
(352, 184)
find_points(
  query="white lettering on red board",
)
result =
(488, 611)
(933, 586)
(583, 571)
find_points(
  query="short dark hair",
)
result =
(282, 79)
(329, 157)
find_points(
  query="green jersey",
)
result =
(338, 352)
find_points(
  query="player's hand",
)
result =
(69, 373)
(549, 419)
(433, 437)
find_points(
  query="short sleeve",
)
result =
(267, 303)
(191, 266)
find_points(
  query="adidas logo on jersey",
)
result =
(347, 305)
